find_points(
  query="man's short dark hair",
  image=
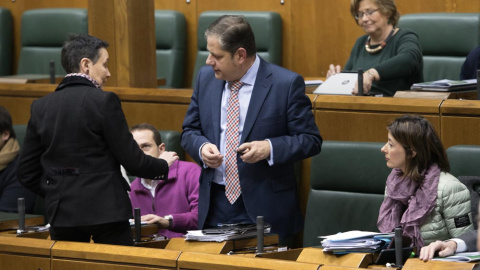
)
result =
(6, 122)
(80, 46)
(145, 126)
(233, 32)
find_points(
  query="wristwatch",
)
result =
(170, 220)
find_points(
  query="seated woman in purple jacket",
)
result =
(172, 204)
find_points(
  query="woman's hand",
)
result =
(333, 70)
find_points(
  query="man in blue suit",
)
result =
(274, 128)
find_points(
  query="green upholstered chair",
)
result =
(347, 187)
(43, 32)
(464, 160)
(20, 131)
(446, 39)
(6, 42)
(464, 164)
(267, 27)
(172, 142)
(170, 36)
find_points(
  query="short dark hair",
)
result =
(6, 122)
(387, 8)
(145, 126)
(233, 32)
(80, 46)
(416, 133)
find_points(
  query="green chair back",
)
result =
(170, 37)
(446, 39)
(347, 187)
(43, 32)
(6, 42)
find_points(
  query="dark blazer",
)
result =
(76, 139)
(280, 111)
(470, 239)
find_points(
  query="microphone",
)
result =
(260, 231)
(398, 246)
(360, 82)
(21, 215)
(138, 225)
(52, 72)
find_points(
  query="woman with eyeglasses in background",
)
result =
(390, 57)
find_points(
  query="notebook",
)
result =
(338, 84)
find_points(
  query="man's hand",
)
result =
(152, 219)
(211, 156)
(255, 151)
(445, 248)
(169, 157)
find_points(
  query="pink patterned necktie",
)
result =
(232, 183)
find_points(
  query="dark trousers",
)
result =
(115, 233)
(222, 212)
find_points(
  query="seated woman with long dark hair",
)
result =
(421, 196)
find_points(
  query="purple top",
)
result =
(178, 196)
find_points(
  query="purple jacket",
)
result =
(178, 196)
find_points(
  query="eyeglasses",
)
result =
(369, 13)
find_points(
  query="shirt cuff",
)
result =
(200, 155)
(461, 245)
(270, 158)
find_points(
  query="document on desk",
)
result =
(461, 257)
(338, 84)
(223, 234)
(446, 85)
(356, 241)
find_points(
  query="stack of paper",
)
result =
(223, 234)
(461, 257)
(356, 241)
(446, 85)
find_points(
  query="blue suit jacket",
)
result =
(280, 111)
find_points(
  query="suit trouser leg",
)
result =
(221, 211)
(115, 233)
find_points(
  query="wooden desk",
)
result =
(437, 95)
(9, 221)
(217, 247)
(417, 264)
(23, 253)
(73, 255)
(204, 261)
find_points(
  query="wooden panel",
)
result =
(190, 260)
(359, 126)
(460, 130)
(416, 264)
(38, 247)
(348, 118)
(18, 262)
(317, 256)
(128, 25)
(116, 254)
(460, 122)
(60, 264)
